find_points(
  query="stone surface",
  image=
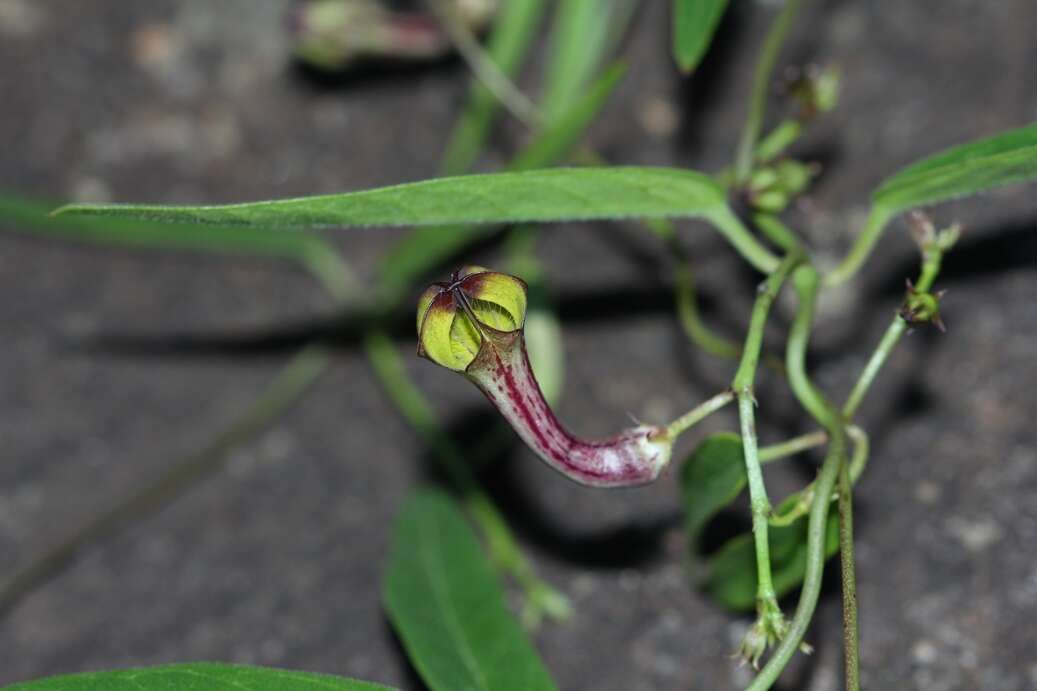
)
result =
(277, 559)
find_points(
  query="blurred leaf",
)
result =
(557, 194)
(544, 342)
(513, 33)
(314, 253)
(197, 676)
(424, 248)
(448, 608)
(731, 579)
(1001, 160)
(583, 34)
(711, 478)
(694, 23)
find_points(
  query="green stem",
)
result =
(732, 228)
(780, 138)
(806, 284)
(485, 69)
(760, 88)
(851, 629)
(418, 411)
(742, 385)
(862, 246)
(698, 414)
(931, 262)
(286, 388)
(791, 447)
(690, 319)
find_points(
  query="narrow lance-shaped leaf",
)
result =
(731, 579)
(694, 23)
(448, 608)
(1004, 159)
(198, 676)
(711, 478)
(315, 254)
(560, 194)
(424, 248)
(513, 32)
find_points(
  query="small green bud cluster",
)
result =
(771, 188)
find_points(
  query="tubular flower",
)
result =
(473, 324)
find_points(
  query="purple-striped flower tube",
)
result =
(473, 324)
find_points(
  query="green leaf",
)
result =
(200, 676)
(558, 194)
(711, 478)
(315, 254)
(513, 32)
(448, 608)
(694, 23)
(583, 34)
(731, 579)
(1007, 158)
(424, 248)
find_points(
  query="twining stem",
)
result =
(418, 411)
(931, 262)
(851, 629)
(698, 414)
(742, 385)
(791, 447)
(806, 284)
(286, 388)
(696, 329)
(760, 88)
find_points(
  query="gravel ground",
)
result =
(277, 560)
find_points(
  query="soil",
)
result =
(277, 559)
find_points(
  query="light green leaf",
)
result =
(314, 253)
(583, 34)
(1005, 159)
(513, 32)
(731, 579)
(558, 194)
(448, 608)
(200, 676)
(694, 23)
(424, 248)
(711, 478)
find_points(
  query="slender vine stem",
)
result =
(851, 628)
(760, 86)
(931, 263)
(805, 280)
(484, 68)
(791, 447)
(742, 385)
(698, 414)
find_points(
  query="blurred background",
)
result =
(116, 363)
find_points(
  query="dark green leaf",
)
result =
(448, 608)
(731, 580)
(583, 34)
(1007, 158)
(711, 478)
(513, 32)
(559, 194)
(201, 676)
(694, 23)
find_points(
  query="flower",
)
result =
(473, 324)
